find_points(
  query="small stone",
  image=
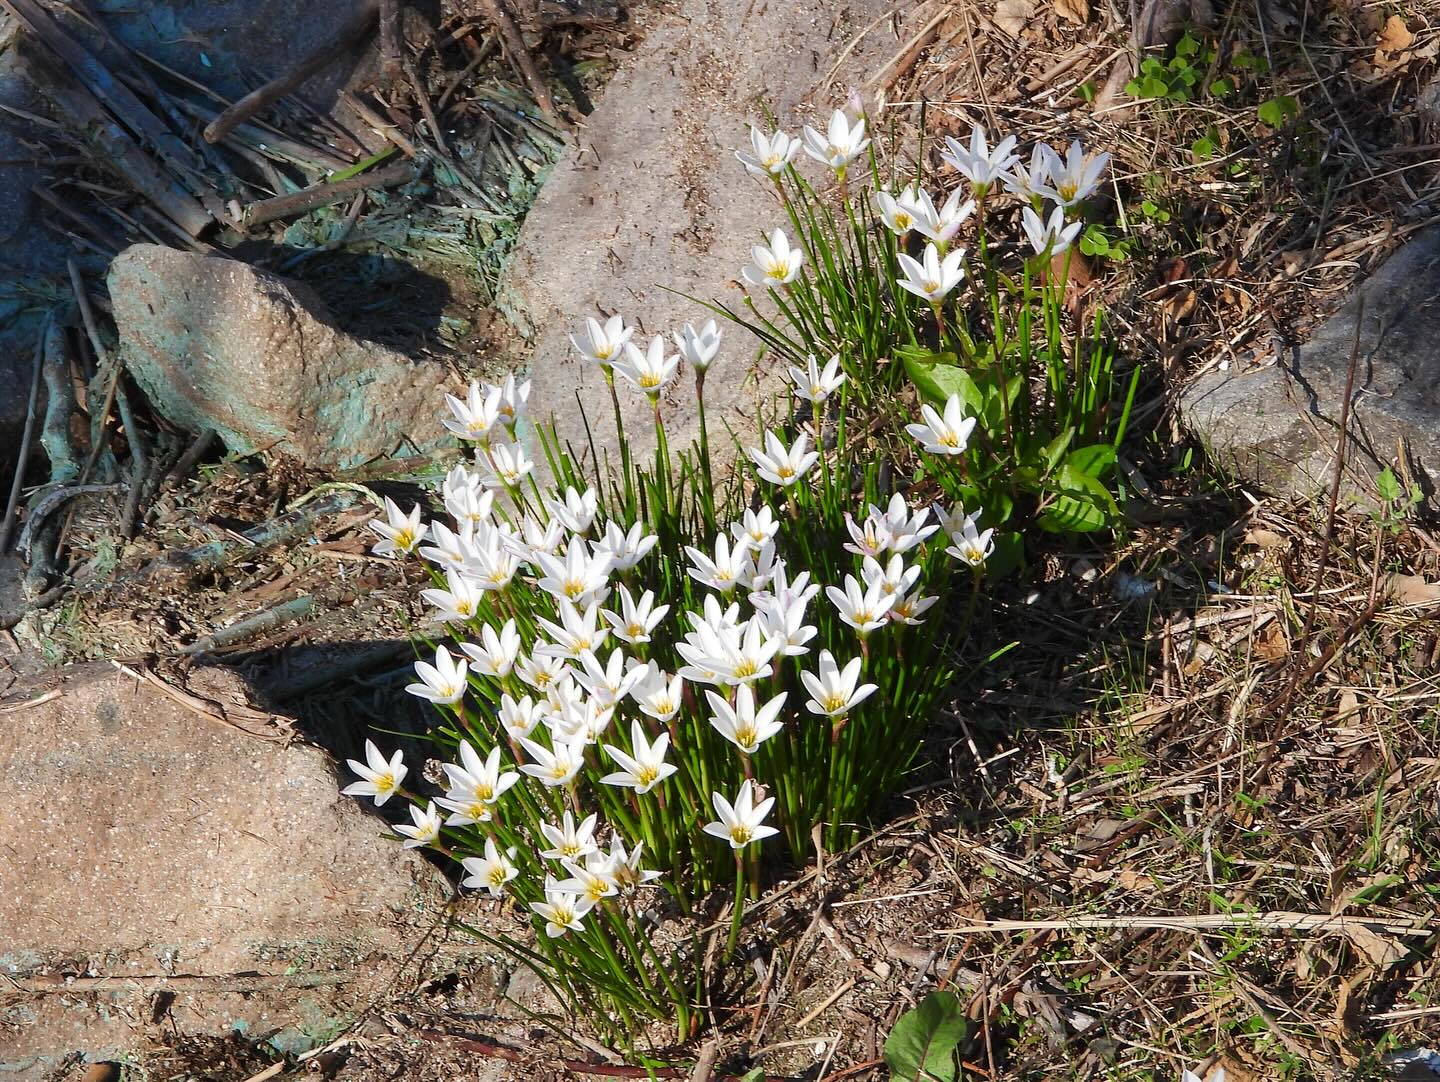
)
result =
(216, 343)
(1275, 427)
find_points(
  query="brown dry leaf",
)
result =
(1179, 304)
(1012, 16)
(1383, 951)
(1349, 705)
(1264, 539)
(1271, 643)
(1132, 880)
(1349, 1007)
(1395, 37)
(1411, 590)
(1075, 11)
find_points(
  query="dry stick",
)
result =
(320, 195)
(606, 1070)
(390, 40)
(25, 439)
(258, 100)
(520, 56)
(379, 123)
(116, 150)
(1341, 441)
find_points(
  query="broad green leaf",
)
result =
(1387, 485)
(1073, 512)
(1008, 555)
(1092, 461)
(1055, 449)
(937, 377)
(921, 1047)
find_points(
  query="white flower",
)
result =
(781, 466)
(557, 767)
(894, 212)
(893, 576)
(905, 531)
(467, 501)
(572, 715)
(1029, 183)
(513, 397)
(863, 608)
(425, 828)
(562, 910)
(841, 144)
(978, 162)
(742, 724)
(869, 538)
(474, 418)
(606, 684)
(510, 463)
(475, 786)
(1217, 1075)
(380, 778)
(726, 570)
(835, 691)
(930, 276)
(1050, 236)
(910, 608)
(576, 512)
(519, 718)
(401, 533)
(582, 576)
(492, 871)
(768, 155)
(1074, 178)
(577, 631)
(784, 622)
(741, 823)
(644, 767)
(490, 561)
(456, 603)
(658, 696)
(815, 384)
(495, 654)
(698, 347)
(947, 434)
(568, 841)
(636, 619)
(535, 537)
(540, 671)
(651, 370)
(593, 879)
(444, 682)
(626, 549)
(938, 225)
(756, 528)
(970, 545)
(601, 344)
(625, 867)
(775, 265)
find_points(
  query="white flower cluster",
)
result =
(1062, 181)
(560, 694)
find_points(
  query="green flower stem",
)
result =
(739, 908)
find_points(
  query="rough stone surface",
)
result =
(651, 196)
(216, 343)
(1276, 426)
(149, 849)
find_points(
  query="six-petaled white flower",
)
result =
(834, 691)
(743, 724)
(742, 822)
(945, 433)
(423, 828)
(476, 416)
(569, 841)
(1073, 178)
(698, 348)
(865, 608)
(495, 653)
(601, 343)
(781, 465)
(400, 533)
(775, 264)
(816, 384)
(379, 777)
(981, 164)
(768, 155)
(562, 910)
(1049, 236)
(940, 225)
(490, 872)
(643, 767)
(442, 683)
(558, 766)
(649, 370)
(841, 144)
(475, 785)
(930, 276)
(969, 544)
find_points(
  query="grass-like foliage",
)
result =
(646, 669)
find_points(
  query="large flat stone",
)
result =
(216, 343)
(151, 851)
(650, 198)
(1276, 427)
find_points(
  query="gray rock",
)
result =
(216, 343)
(651, 198)
(152, 851)
(1275, 427)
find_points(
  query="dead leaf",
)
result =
(1349, 705)
(1350, 1007)
(1382, 951)
(1395, 37)
(1264, 539)
(1411, 590)
(1271, 643)
(1161, 22)
(1075, 11)
(1179, 304)
(1012, 16)
(1132, 880)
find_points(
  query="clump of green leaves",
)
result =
(1397, 502)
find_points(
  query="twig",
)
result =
(1275, 921)
(379, 123)
(25, 437)
(321, 195)
(243, 629)
(51, 500)
(604, 1070)
(193, 455)
(60, 400)
(520, 56)
(264, 97)
(390, 41)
